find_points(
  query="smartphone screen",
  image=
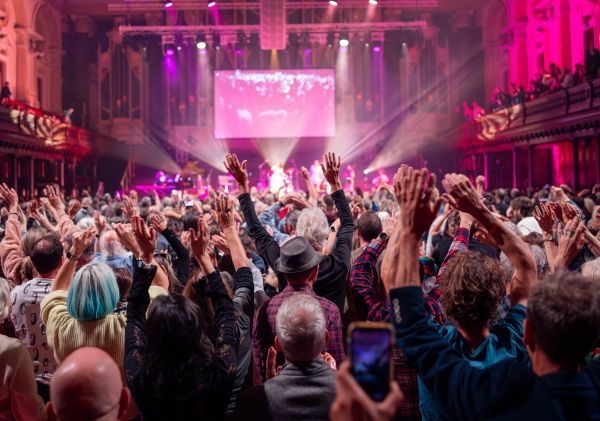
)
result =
(371, 353)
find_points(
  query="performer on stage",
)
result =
(278, 177)
(381, 178)
(316, 175)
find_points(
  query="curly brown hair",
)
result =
(473, 285)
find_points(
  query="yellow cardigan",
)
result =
(65, 334)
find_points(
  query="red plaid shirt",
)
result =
(263, 334)
(361, 283)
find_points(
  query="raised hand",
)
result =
(53, 195)
(130, 207)
(570, 242)
(271, 365)
(74, 207)
(352, 403)
(145, 237)
(127, 238)
(99, 222)
(220, 243)
(331, 169)
(158, 222)
(414, 189)
(480, 183)
(10, 198)
(545, 217)
(461, 194)
(81, 241)
(238, 171)
(224, 211)
(297, 200)
(304, 173)
(199, 243)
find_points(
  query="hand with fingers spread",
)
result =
(146, 238)
(40, 216)
(461, 194)
(224, 207)
(331, 169)
(238, 171)
(53, 195)
(545, 217)
(352, 402)
(158, 222)
(414, 188)
(298, 200)
(569, 212)
(570, 242)
(74, 207)
(10, 198)
(199, 242)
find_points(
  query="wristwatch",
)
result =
(332, 228)
(384, 237)
(71, 257)
(140, 264)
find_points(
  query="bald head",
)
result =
(88, 383)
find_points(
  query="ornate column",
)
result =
(576, 164)
(515, 172)
(24, 86)
(531, 163)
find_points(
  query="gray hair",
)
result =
(591, 269)
(85, 223)
(312, 225)
(301, 327)
(110, 244)
(5, 302)
(539, 254)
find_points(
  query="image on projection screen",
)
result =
(274, 103)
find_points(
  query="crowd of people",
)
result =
(547, 81)
(236, 307)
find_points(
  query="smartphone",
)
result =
(371, 357)
(189, 203)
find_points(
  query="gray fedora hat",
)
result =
(297, 255)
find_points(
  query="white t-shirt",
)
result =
(30, 329)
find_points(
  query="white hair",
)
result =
(301, 327)
(5, 302)
(110, 244)
(85, 223)
(312, 225)
(591, 269)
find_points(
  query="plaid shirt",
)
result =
(373, 309)
(263, 335)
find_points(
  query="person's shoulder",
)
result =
(11, 346)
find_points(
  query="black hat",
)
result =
(297, 255)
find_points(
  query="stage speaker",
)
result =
(272, 25)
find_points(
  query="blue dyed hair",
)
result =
(94, 292)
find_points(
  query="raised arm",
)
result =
(81, 241)
(265, 243)
(138, 301)
(146, 239)
(343, 245)
(465, 198)
(225, 218)
(182, 266)
(546, 219)
(361, 283)
(312, 191)
(10, 248)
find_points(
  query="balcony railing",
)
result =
(566, 102)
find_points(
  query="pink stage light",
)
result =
(333, 3)
(373, 2)
(212, 3)
(170, 52)
(376, 48)
(168, 3)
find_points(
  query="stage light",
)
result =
(170, 52)
(365, 172)
(373, 2)
(168, 3)
(212, 4)
(333, 3)
(344, 40)
(179, 48)
(201, 45)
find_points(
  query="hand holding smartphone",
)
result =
(371, 346)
